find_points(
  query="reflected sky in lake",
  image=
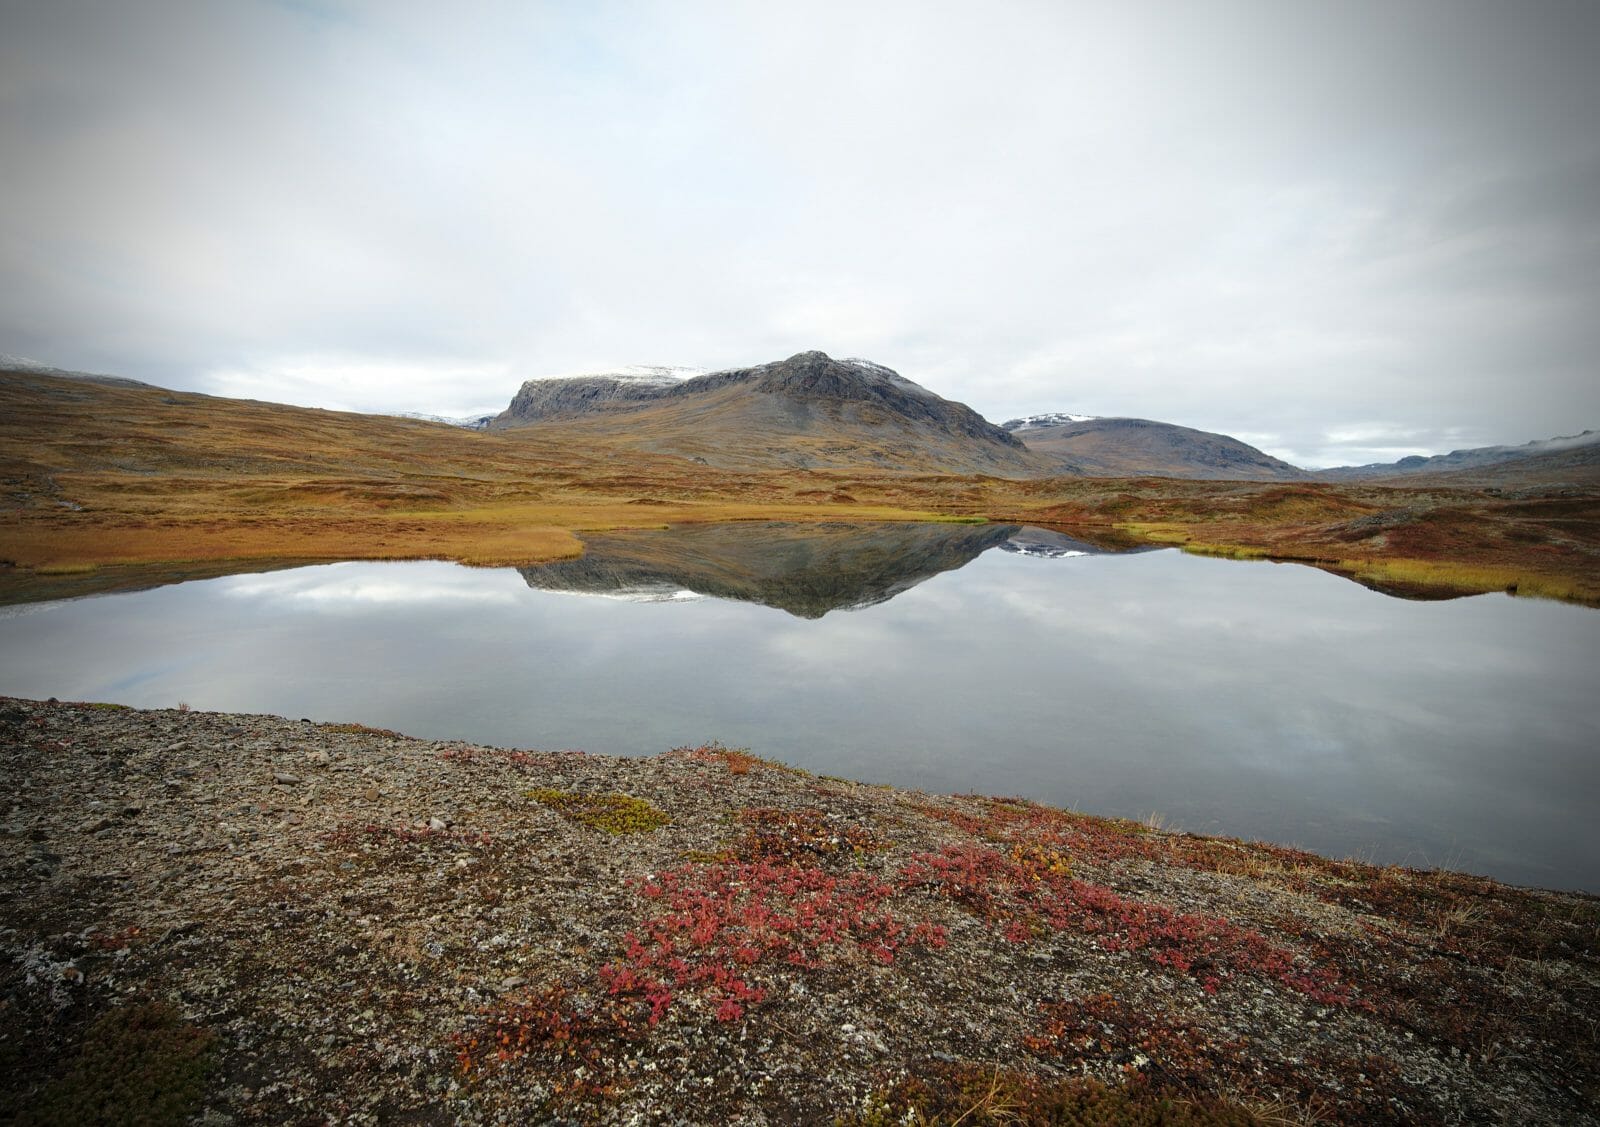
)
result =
(1249, 699)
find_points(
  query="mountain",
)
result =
(556, 396)
(1048, 419)
(1111, 447)
(809, 411)
(465, 422)
(22, 365)
(1568, 458)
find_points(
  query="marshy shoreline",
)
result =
(253, 919)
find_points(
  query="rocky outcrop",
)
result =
(818, 377)
(559, 396)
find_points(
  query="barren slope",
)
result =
(1142, 448)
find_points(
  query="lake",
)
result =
(1250, 699)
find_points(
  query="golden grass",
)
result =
(1469, 578)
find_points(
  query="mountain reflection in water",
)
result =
(1232, 697)
(807, 570)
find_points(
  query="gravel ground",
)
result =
(284, 921)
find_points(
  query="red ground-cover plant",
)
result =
(1100, 1029)
(1018, 820)
(737, 760)
(717, 925)
(571, 1040)
(773, 834)
(1019, 897)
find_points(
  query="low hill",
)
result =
(1109, 447)
(809, 411)
(1570, 458)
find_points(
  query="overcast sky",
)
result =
(1345, 231)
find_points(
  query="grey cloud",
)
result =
(1252, 216)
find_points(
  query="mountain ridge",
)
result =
(1539, 458)
(807, 411)
(1096, 446)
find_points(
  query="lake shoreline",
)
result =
(322, 920)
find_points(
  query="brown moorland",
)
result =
(108, 485)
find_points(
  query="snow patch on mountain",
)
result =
(868, 368)
(648, 375)
(9, 363)
(1048, 419)
(466, 422)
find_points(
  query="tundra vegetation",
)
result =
(114, 486)
(266, 920)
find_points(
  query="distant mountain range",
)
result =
(812, 411)
(1571, 457)
(465, 422)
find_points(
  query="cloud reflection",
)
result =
(1242, 698)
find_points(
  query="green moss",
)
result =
(612, 813)
(138, 1065)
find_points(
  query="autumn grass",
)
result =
(1468, 578)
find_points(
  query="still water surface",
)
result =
(1249, 699)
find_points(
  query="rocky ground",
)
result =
(240, 919)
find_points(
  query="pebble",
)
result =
(285, 778)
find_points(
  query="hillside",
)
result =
(809, 411)
(1112, 447)
(252, 919)
(1568, 459)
